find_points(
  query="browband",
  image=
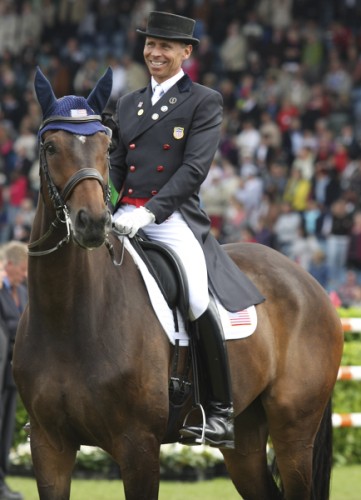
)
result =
(70, 119)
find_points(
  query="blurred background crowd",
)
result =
(287, 172)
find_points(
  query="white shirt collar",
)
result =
(168, 83)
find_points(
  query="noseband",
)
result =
(59, 199)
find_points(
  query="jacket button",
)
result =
(154, 192)
(160, 168)
(132, 146)
(132, 168)
(130, 191)
(166, 146)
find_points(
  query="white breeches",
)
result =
(176, 233)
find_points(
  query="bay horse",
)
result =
(92, 361)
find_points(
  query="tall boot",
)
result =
(218, 427)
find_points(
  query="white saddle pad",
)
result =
(235, 325)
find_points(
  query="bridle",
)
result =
(59, 199)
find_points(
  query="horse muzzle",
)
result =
(90, 231)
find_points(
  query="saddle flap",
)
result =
(167, 269)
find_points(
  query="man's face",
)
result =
(164, 58)
(17, 273)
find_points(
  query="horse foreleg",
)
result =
(52, 467)
(138, 458)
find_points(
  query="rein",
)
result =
(59, 199)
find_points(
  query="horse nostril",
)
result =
(82, 218)
(86, 222)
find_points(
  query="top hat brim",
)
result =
(168, 36)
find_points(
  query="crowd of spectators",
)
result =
(287, 172)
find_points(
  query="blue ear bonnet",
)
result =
(73, 114)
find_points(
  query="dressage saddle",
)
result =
(167, 270)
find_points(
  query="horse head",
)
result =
(74, 153)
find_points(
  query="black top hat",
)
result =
(171, 27)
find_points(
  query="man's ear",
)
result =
(187, 52)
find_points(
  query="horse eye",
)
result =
(50, 148)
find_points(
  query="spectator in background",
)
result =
(338, 226)
(269, 128)
(215, 193)
(250, 192)
(347, 289)
(325, 186)
(286, 228)
(276, 13)
(265, 154)
(233, 51)
(275, 180)
(354, 248)
(293, 140)
(312, 53)
(304, 162)
(5, 492)
(287, 111)
(319, 269)
(13, 298)
(337, 81)
(304, 248)
(248, 140)
(234, 221)
(4, 347)
(297, 190)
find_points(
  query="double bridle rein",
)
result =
(59, 199)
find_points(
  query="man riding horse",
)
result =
(168, 135)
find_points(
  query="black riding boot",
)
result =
(219, 428)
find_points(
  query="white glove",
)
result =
(130, 222)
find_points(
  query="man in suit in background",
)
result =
(168, 135)
(13, 298)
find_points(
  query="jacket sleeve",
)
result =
(201, 145)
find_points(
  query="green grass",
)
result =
(346, 485)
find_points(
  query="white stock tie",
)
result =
(157, 94)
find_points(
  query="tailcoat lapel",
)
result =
(152, 115)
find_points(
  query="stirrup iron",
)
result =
(196, 440)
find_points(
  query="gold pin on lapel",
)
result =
(140, 112)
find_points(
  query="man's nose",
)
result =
(155, 51)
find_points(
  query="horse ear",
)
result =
(44, 92)
(99, 96)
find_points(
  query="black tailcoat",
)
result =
(164, 154)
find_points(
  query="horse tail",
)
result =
(322, 457)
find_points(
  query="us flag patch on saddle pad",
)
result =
(237, 325)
